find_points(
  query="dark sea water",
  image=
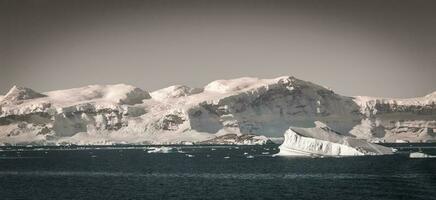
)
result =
(208, 172)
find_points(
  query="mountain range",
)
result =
(238, 111)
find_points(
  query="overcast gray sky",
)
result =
(377, 48)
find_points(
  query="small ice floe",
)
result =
(236, 147)
(180, 151)
(265, 153)
(208, 155)
(227, 157)
(245, 153)
(159, 150)
(93, 156)
(420, 155)
(187, 143)
(189, 155)
(212, 149)
(250, 156)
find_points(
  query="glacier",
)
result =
(245, 110)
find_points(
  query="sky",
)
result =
(374, 48)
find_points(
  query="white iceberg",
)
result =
(322, 141)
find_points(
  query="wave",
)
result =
(215, 175)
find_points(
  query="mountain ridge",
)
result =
(106, 114)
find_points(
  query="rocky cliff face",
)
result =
(390, 120)
(225, 110)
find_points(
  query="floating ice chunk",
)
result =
(420, 155)
(323, 141)
(160, 150)
(227, 157)
(189, 155)
(250, 156)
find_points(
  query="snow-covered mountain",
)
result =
(224, 111)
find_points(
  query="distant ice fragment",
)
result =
(160, 150)
(420, 155)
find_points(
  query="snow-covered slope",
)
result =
(17, 94)
(174, 91)
(224, 110)
(387, 119)
(323, 141)
(373, 105)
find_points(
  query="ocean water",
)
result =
(208, 172)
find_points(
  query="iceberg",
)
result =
(323, 141)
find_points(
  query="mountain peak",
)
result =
(17, 93)
(431, 95)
